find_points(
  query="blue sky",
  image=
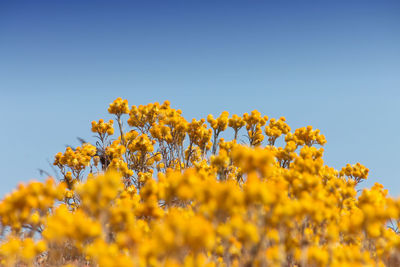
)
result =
(334, 65)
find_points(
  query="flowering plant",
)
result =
(168, 192)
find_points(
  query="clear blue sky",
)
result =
(334, 65)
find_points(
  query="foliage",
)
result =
(168, 192)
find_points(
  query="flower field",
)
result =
(154, 189)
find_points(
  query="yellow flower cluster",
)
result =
(306, 136)
(143, 117)
(120, 165)
(236, 123)
(358, 172)
(19, 252)
(161, 132)
(254, 121)
(25, 207)
(162, 198)
(200, 135)
(76, 160)
(119, 107)
(220, 123)
(97, 194)
(102, 127)
(276, 128)
(142, 144)
(64, 225)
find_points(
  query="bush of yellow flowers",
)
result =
(163, 191)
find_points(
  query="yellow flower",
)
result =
(103, 128)
(119, 107)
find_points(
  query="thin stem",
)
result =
(120, 129)
(214, 148)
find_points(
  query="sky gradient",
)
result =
(334, 65)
